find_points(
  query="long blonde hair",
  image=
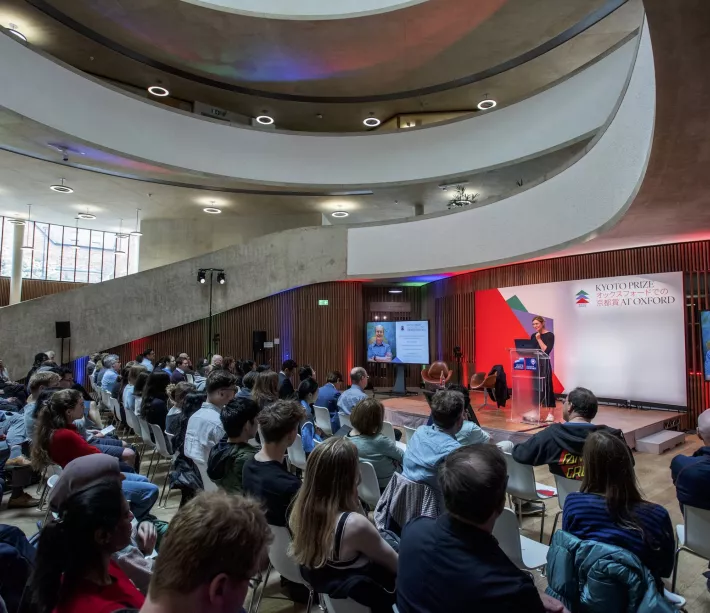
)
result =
(50, 418)
(328, 490)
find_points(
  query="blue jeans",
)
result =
(140, 493)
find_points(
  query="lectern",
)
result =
(528, 367)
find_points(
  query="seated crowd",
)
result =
(429, 547)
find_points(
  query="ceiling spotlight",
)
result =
(212, 210)
(201, 276)
(12, 28)
(395, 291)
(486, 105)
(157, 90)
(86, 216)
(61, 188)
(16, 222)
(221, 279)
(372, 122)
(265, 120)
(339, 214)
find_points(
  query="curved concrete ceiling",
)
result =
(126, 124)
(306, 9)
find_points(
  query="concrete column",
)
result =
(418, 210)
(18, 237)
(134, 258)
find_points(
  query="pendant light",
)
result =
(75, 246)
(137, 231)
(26, 246)
(119, 235)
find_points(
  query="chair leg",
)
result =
(43, 478)
(675, 569)
(310, 600)
(542, 523)
(162, 493)
(261, 591)
(554, 525)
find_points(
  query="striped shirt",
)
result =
(586, 516)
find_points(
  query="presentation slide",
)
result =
(399, 342)
(705, 327)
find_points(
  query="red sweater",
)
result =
(67, 444)
(92, 598)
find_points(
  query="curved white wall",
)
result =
(49, 93)
(593, 193)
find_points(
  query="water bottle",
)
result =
(441, 379)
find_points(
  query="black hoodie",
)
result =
(560, 447)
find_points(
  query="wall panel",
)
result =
(35, 288)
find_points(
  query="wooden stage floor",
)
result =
(414, 411)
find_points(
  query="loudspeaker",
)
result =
(63, 329)
(258, 340)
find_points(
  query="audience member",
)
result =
(285, 387)
(610, 509)
(215, 545)
(113, 367)
(467, 409)
(38, 383)
(227, 458)
(4, 372)
(91, 364)
(101, 369)
(187, 357)
(128, 391)
(451, 562)
(154, 403)
(146, 359)
(230, 365)
(306, 372)
(248, 382)
(350, 397)
(167, 364)
(691, 474)
(216, 361)
(248, 366)
(182, 367)
(176, 394)
(74, 572)
(328, 397)
(374, 447)
(125, 371)
(308, 395)
(57, 441)
(560, 445)
(265, 390)
(38, 360)
(265, 476)
(184, 474)
(204, 429)
(341, 553)
(138, 389)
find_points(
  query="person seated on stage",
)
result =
(379, 350)
(560, 445)
(610, 509)
(215, 545)
(285, 387)
(350, 397)
(691, 474)
(227, 458)
(265, 476)
(449, 562)
(386, 458)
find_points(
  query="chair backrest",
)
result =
(339, 605)
(132, 420)
(521, 479)
(145, 431)
(490, 380)
(105, 397)
(408, 433)
(388, 430)
(507, 534)
(476, 379)
(323, 419)
(160, 440)
(697, 528)
(115, 407)
(296, 455)
(437, 368)
(278, 555)
(564, 487)
(369, 487)
(345, 420)
(207, 483)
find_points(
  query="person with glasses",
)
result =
(350, 397)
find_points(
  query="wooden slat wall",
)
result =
(35, 288)
(692, 258)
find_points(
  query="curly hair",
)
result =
(51, 417)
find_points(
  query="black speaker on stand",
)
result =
(258, 340)
(63, 330)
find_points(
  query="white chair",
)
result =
(323, 420)
(564, 487)
(338, 605)
(388, 430)
(345, 420)
(408, 433)
(51, 474)
(522, 485)
(296, 455)
(147, 441)
(369, 488)
(116, 411)
(692, 536)
(133, 424)
(283, 563)
(524, 552)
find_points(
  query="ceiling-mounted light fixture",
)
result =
(12, 28)
(462, 198)
(265, 120)
(158, 91)
(16, 222)
(371, 122)
(339, 214)
(137, 231)
(212, 210)
(26, 246)
(486, 104)
(75, 246)
(61, 188)
(201, 276)
(86, 215)
(119, 235)
(221, 279)
(395, 291)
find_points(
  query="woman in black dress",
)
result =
(546, 342)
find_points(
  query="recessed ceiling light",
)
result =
(265, 120)
(61, 188)
(212, 210)
(486, 105)
(12, 28)
(372, 122)
(86, 216)
(157, 90)
(339, 214)
(395, 291)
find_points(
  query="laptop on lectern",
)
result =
(526, 343)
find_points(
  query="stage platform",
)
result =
(413, 411)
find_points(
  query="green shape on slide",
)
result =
(514, 303)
